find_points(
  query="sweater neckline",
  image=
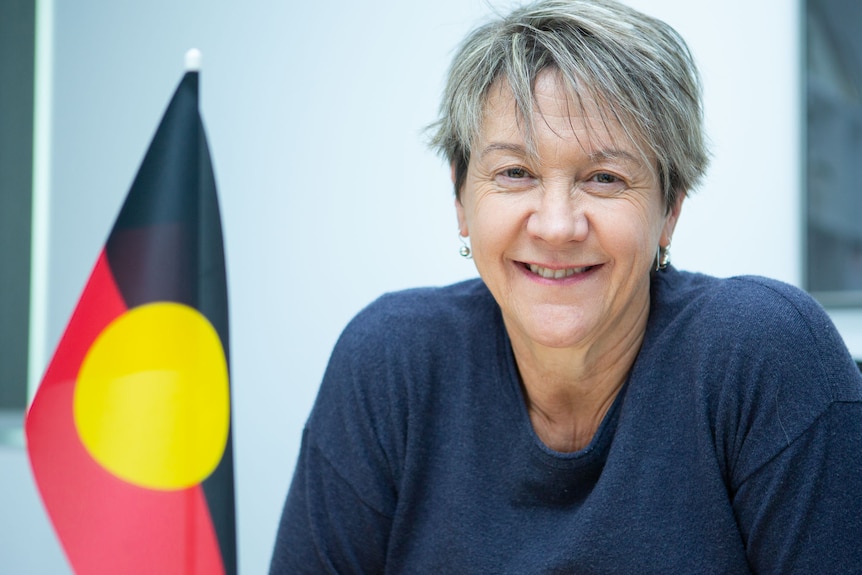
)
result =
(596, 449)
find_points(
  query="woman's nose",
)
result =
(559, 216)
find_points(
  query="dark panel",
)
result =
(17, 46)
(833, 84)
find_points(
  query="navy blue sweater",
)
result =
(735, 446)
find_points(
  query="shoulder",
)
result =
(735, 296)
(405, 337)
(464, 297)
(394, 355)
(756, 324)
(423, 314)
(745, 313)
(763, 355)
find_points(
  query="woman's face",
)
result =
(565, 240)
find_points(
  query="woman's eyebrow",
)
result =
(517, 149)
(596, 156)
(612, 154)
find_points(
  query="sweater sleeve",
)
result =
(338, 513)
(326, 525)
(796, 480)
(802, 511)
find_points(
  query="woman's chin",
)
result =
(553, 330)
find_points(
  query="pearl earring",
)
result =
(464, 250)
(662, 257)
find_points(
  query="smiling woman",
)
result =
(564, 239)
(582, 407)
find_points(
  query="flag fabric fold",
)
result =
(129, 434)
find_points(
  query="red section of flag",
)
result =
(107, 525)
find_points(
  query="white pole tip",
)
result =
(193, 60)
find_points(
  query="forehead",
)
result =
(556, 113)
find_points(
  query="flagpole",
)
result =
(193, 60)
(192, 64)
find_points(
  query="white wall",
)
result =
(747, 217)
(329, 197)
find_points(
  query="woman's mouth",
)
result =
(555, 274)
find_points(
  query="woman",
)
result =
(583, 407)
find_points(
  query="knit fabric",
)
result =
(735, 446)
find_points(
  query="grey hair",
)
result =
(637, 68)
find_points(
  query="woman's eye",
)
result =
(605, 178)
(516, 173)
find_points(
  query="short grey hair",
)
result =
(637, 68)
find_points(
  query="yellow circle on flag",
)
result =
(152, 403)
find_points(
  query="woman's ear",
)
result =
(462, 219)
(670, 221)
(459, 207)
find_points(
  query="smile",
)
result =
(550, 274)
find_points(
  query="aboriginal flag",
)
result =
(129, 434)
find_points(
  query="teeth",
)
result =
(556, 274)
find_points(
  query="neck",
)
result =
(568, 391)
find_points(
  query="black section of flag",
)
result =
(153, 248)
(212, 302)
(167, 245)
